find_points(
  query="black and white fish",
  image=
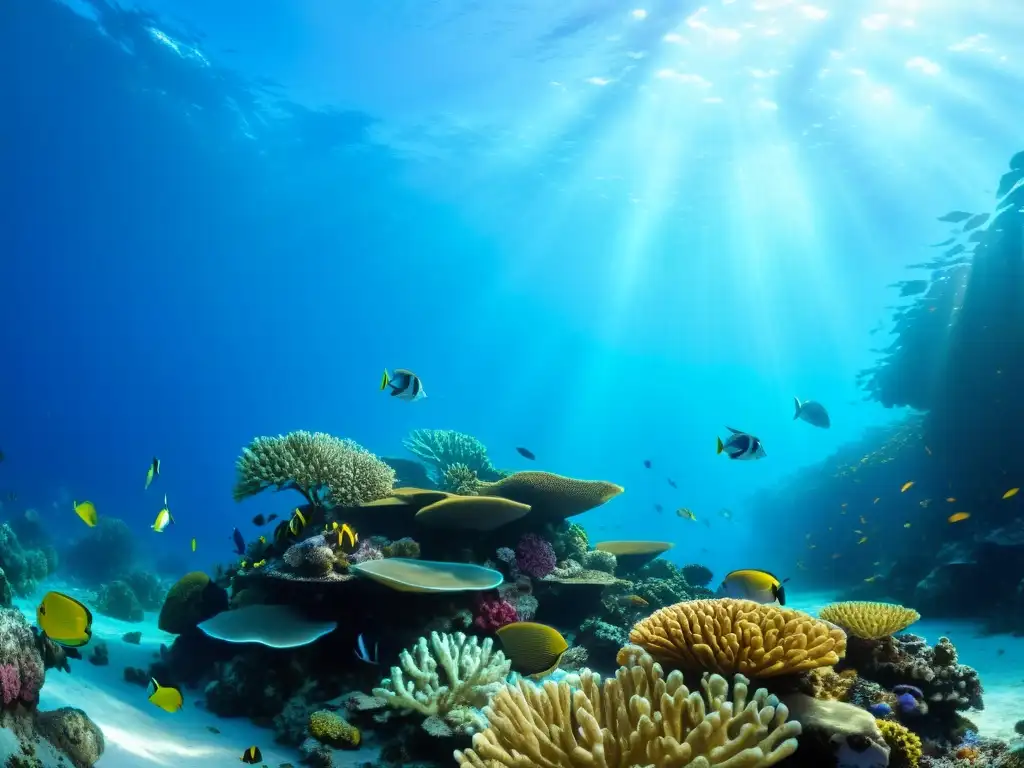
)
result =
(405, 385)
(741, 446)
(812, 412)
(363, 654)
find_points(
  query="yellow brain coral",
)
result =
(325, 469)
(729, 636)
(905, 745)
(552, 495)
(870, 620)
(331, 728)
(638, 718)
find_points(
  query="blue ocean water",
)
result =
(599, 231)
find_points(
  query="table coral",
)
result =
(327, 470)
(638, 718)
(550, 495)
(728, 636)
(447, 679)
(869, 620)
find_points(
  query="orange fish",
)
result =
(907, 486)
(958, 516)
(1011, 493)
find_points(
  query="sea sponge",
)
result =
(331, 728)
(728, 636)
(904, 743)
(868, 620)
(638, 718)
(193, 599)
(552, 495)
(73, 733)
(327, 470)
(447, 679)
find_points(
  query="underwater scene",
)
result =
(443, 383)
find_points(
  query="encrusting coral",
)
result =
(904, 743)
(331, 728)
(327, 470)
(727, 636)
(868, 620)
(638, 718)
(448, 679)
(552, 495)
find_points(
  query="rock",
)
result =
(836, 734)
(72, 732)
(100, 655)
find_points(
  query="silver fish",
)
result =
(363, 654)
(812, 412)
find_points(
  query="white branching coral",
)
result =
(449, 679)
(327, 470)
(639, 718)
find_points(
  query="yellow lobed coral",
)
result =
(826, 683)
(331, 728)
(728, 636)
(638, 718)
(905, 745)
(448, 679)
(552, 495)
(324, 468)
(870, 621)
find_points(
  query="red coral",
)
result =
(493, 613)
(535, 556)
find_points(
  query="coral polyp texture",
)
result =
(448, 679)
(638, 718)
(738, 636)
(869, 620)
(551, 495)
(327, 470)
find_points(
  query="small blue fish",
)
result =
(236, 536)
(363, 654)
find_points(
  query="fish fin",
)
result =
(384, 381)
(395, 391)
(735, 431)
(720, 447)
(796, 401)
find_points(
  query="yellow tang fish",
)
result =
(169, 699)
(534, 649)
(1011, 493)
(153, 472)
(193, 544)
(64, 620)
(958, 516)
(163, 518)
(87, 511)
(907, 486)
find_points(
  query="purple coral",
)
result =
(10, 684)
(21, 665)
(535, 556)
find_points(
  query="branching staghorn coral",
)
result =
(327, 470)
(440, 449)
(448, 680)
(638, 718)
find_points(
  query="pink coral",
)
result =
(535, 556)
(10, 684)
(32, 675)
(493, 613)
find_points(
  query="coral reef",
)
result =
(550, 495)
(772, 640)
(118, 600)
(99, 653)
(23, 568)
(459, 478)
(905, 746)
(447, 679)
(639, 717)
(193, 599)
(331, 728)
(868, 620)
(73, 733)
(114, 539)
(21, 663)
(535, 556)
(492, 613)
(148, 589)
(835, 733)
(442, 449)
(326, 470)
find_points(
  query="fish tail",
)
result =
(796, 401)
(720, 447)
(384, 381)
